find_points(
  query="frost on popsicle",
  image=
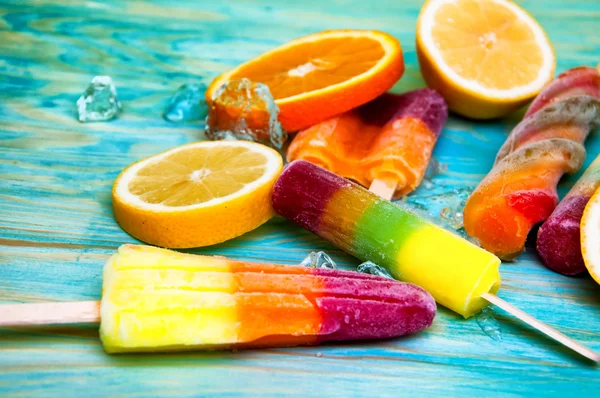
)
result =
(99, 101)
(244, 110)
(318, 260)
(369, 267)
(187, 104)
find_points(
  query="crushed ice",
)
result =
(318, 260)
(369, 267)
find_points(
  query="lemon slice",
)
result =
(198, 194)
(590, 236)
(486, 57)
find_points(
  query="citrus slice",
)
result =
(590, 236)
(198, 194)
(323, 74)
(486, 57)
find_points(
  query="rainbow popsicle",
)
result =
(414, 250)
(558, 240)
(520, 190)
(159, 300)
(388, 139)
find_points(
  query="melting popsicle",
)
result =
(559, 240)
(458, 274)
(389, 139)
(520, 190)
(159, 300)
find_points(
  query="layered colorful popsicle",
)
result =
(559, 240)
(156, 300)
(520, 190)
(412, 249)
(388, 139)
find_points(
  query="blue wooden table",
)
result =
(57, 229)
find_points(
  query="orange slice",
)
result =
(198, 194)
(590, 236)
(486, 57)
(324, 74)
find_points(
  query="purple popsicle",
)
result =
(558, 240)
(356, 307)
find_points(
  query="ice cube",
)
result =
(99, 101)
(489, 325)
(247, 111)
(187, 104)
(369, 267)
(318, 260)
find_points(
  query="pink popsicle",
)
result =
(558, 240)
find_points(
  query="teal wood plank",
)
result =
(56, 225)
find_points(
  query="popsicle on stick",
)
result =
(158, 300)
(458, 274)
(520, 190)
(386, 143)
(559, 238)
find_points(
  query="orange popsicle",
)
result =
(388, 139)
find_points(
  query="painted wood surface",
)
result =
(56, 226)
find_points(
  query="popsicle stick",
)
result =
(383, 189)
(50, 313)
(542, 327)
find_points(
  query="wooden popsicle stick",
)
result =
(384, 189)
(542, 327)
(50, 313)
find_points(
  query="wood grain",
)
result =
(56, 225)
